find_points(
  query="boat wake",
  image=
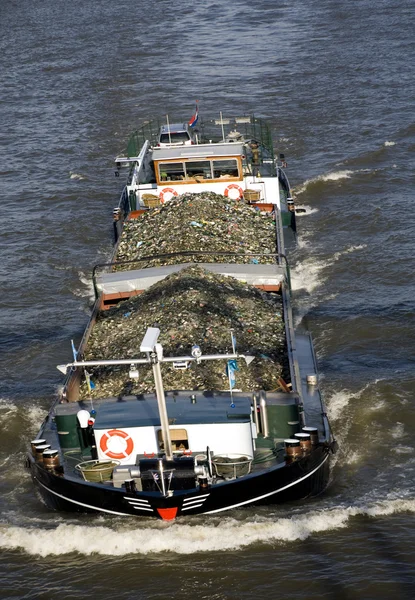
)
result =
(46, 535)
(123, 538)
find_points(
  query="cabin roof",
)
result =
(143, 412)
(199, 151)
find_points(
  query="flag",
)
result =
(89, 382)
(231, 367)
(193, 120)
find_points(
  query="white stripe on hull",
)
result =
(136, 500)
(189, 507)
(266, 495)
(112, 512)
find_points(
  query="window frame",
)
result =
(182, 161)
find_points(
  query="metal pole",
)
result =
(221, 122)
(161, 401)
(161, 471)
(168, 128)
(256, 420)
(264, 415)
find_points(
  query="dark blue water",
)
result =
(335, 82)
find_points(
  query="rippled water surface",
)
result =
(336, 83)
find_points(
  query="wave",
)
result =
(334, 176)
(389, 144)
(306, 274)
(76, 176)
(180, 538)
(339, 400)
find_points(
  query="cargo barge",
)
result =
(191, 392)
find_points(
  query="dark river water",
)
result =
(335, 80)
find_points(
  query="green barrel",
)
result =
(67, 426)
(283, 420)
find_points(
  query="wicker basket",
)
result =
(252, 195)
(230, 466)
(96, 471)
(150, 200)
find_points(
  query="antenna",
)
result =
(168, 128)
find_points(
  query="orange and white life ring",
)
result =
(116, 444)
(167, 192)
(234, 195)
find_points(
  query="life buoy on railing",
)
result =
(239, 192)
(121, 438)
(165, 192)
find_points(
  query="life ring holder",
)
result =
(167, 191)
(234, 186)
(103, 444)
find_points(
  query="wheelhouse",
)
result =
(198, 164)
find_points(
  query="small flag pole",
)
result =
(74, 351)
(233, 341)
(221, 122)
(168, 128)
(230, 387)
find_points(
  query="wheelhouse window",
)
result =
(175, 137)
(171, 171)
(225, 168)
(199, 170)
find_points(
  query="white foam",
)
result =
(88, 290)
(7, 408)
(307, 274)
(389, 144)
(348, 250)
(378, 406)
(398, 431)
(303, 242)
(35, 416)
(308, 210)
(227, 534)
(337, 403)
(76, 176)
(351, 457)
(403, 449)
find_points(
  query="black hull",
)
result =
(283, 483)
